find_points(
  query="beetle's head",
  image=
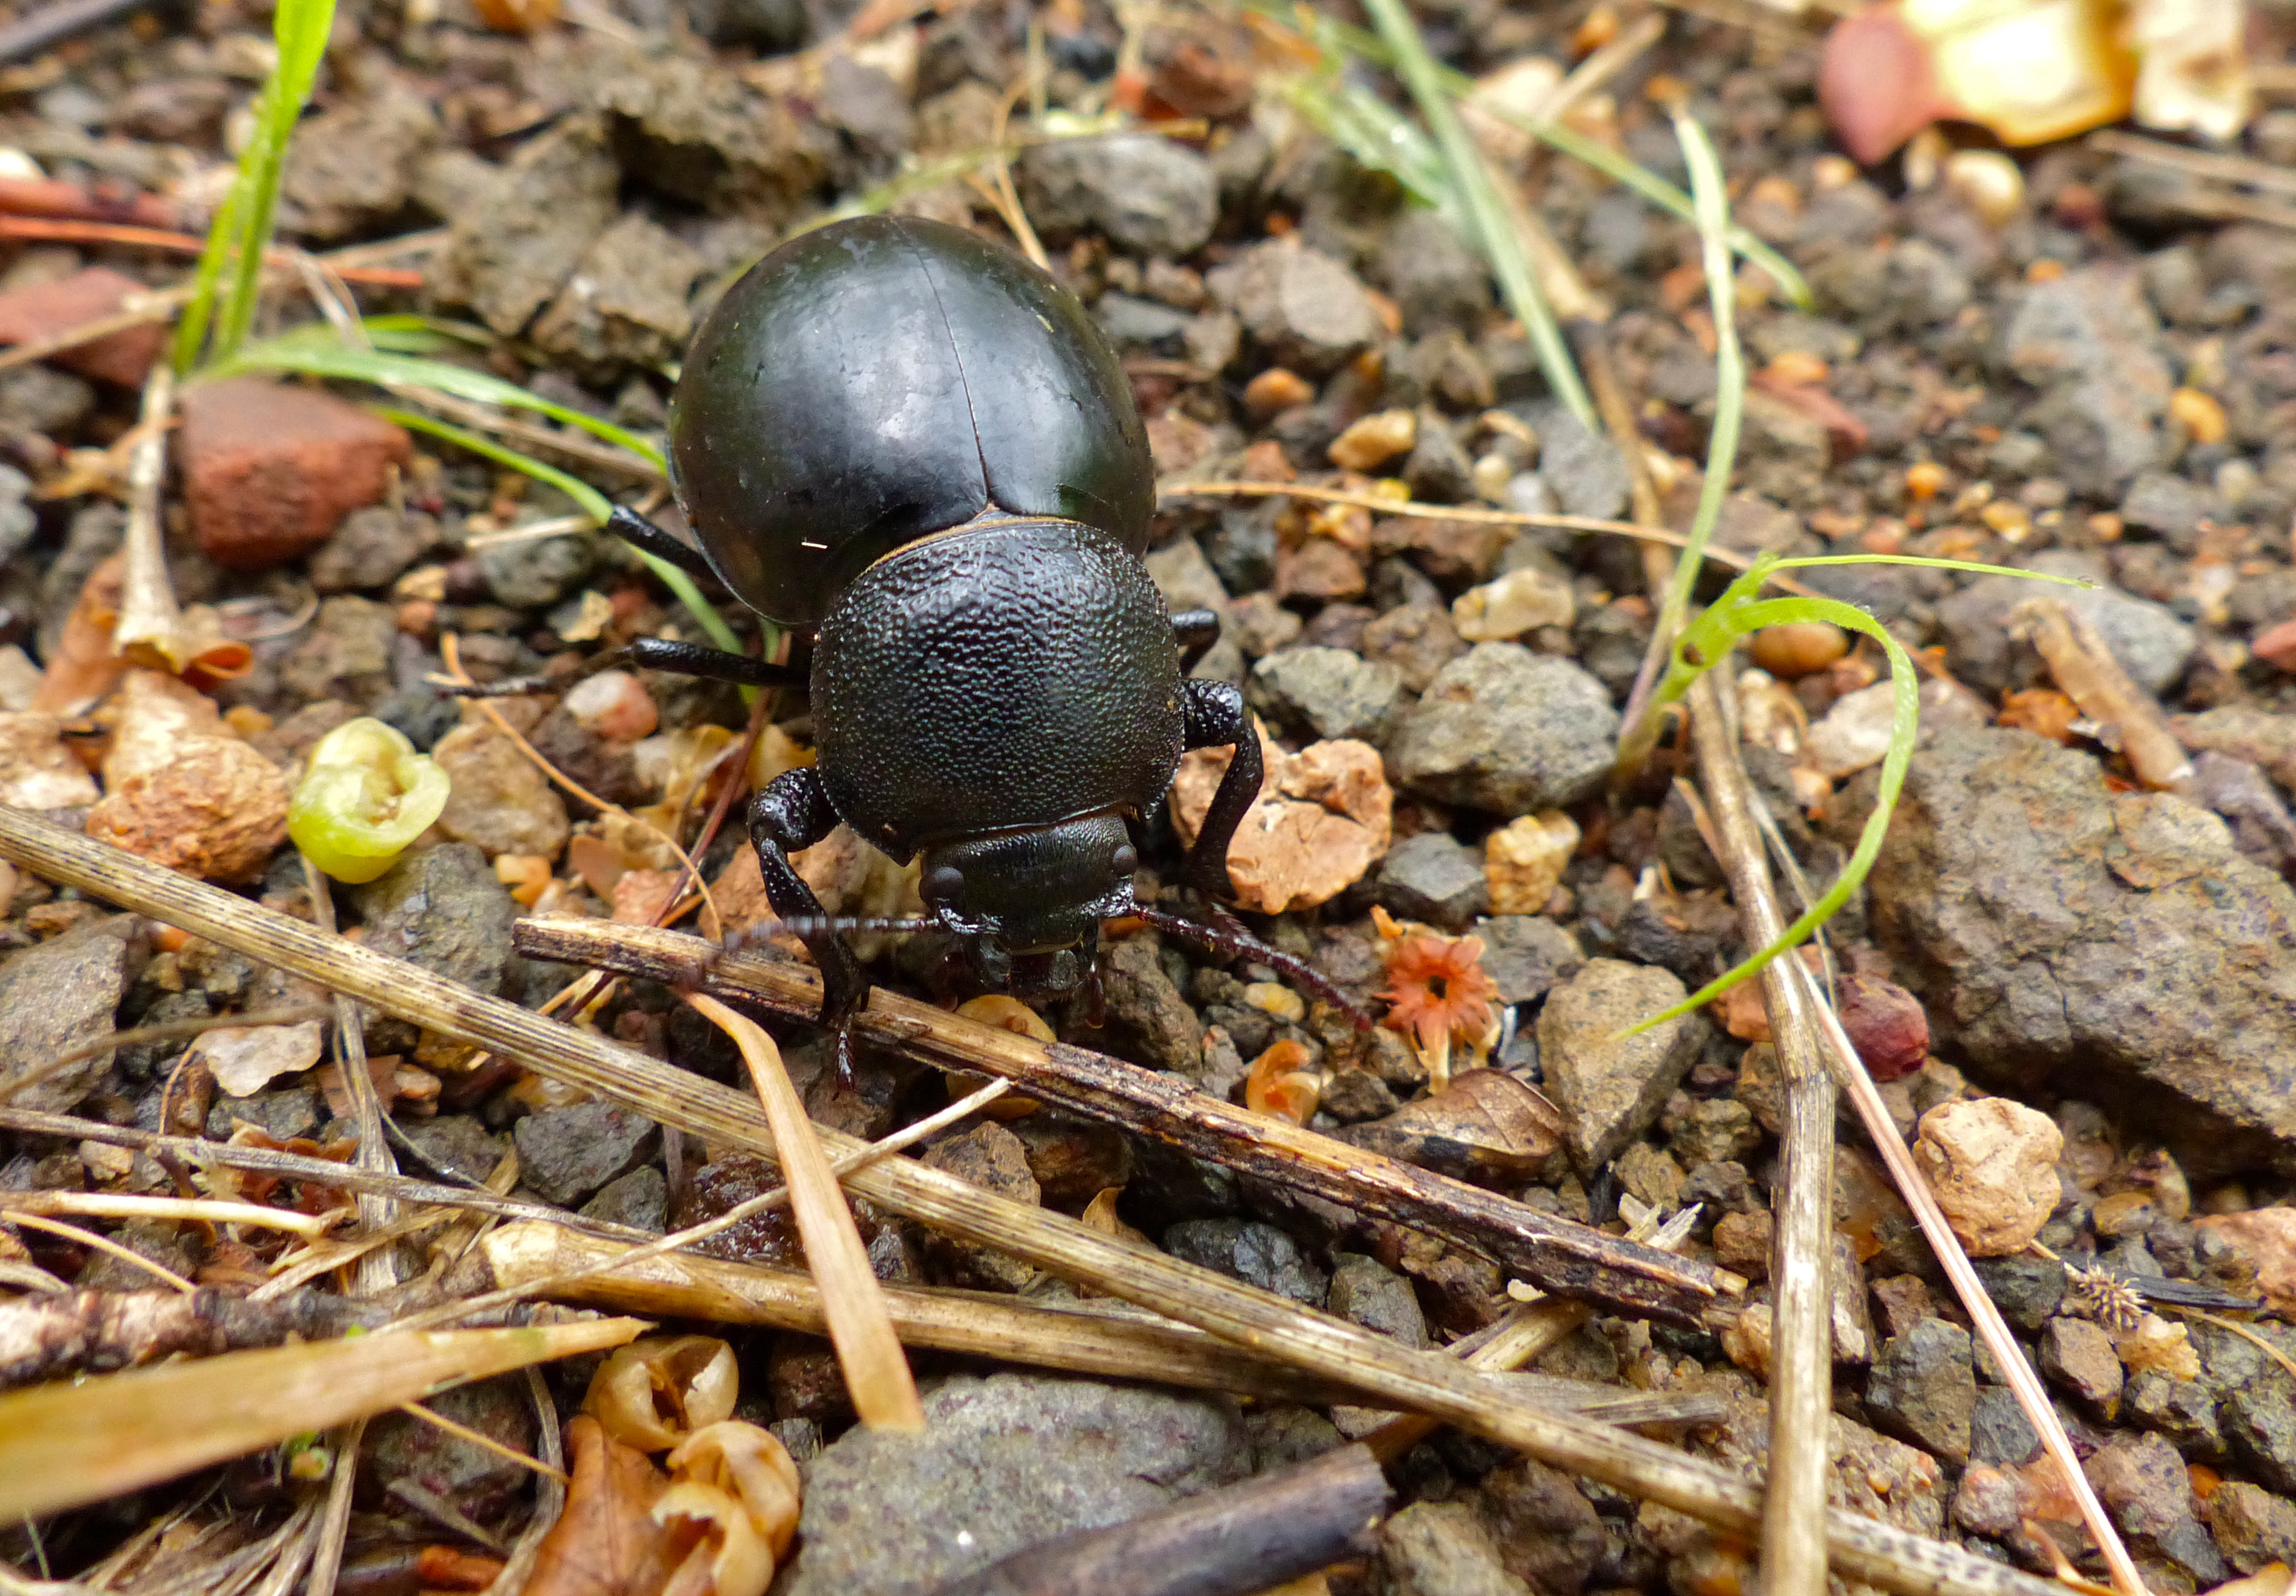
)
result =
(1027, 904)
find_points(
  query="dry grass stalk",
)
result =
(336, 1522)
(168, 1031)
(545, 1260)
(2091, 677)
(129, 1205)
(1396, 1375)
(378, 1268)
(1865, 1097)
(876, 1370)
(63, 1445)
(1570, 1259)
(195, 1154)
(1794, 1561)
(148, 616)
(1522, 1334)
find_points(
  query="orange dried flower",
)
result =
(1438, 990)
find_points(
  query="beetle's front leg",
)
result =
(794, 812)
(1214, 716)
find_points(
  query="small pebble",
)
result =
(1993, 1165)
(1519, 602)
(613, 704)
(1799, 648)
(1855, 733)
(1523, 861)
(1373, 440)
(1276, 390)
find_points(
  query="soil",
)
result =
(2095, 381)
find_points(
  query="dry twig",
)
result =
(1571, 1259)
(1801, 1244)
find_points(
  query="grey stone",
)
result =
(1186, 579)
(2171, 505)
(2143, 1484)
(1304, 309)
(1141, 997)
(1526, 955)
(2078, 1358)
(1373, 1296)
(1583, 468)
(2151, 645)
(639, 1199)
(1999, 1433)
(527, 576)
(443, 909)
(1435, 277)
(296, 1112)
(625, 304)
(1418, 639)
(1134, 323)
(1506, 730)
(693, 130)
(2092, 344)
(39, 398)
(371, 549)
(510, 259)
(2244, 795)
(1328, 692)
(1441, 1549)
(18, 521)
(2253, 1526)
(2259, 1426)
(2187, 1544)
(2180, 1410)
(867, 105)
(353, 167)
(60, 995)
(345, 654)
(1611, 1092)
(1438, 471)
(566, 1155)
(2049, 925)
(1005, 1462)
(2026, 1288)
(1251, 1251)
(1434, 877)
(1546, 1530)
(402, 1452)
(1149, 195)
(457, 1144)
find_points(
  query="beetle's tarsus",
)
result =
(1216, 715)
(794, 812)
(659, 542)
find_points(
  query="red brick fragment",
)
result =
(41, 310)
(270, 469)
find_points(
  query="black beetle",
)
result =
(916, 446)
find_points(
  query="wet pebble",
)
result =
(1248, 1250)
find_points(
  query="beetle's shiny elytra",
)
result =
(876, 380)
(917, 445)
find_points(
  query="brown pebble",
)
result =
(1799, 648)
(1276, 390)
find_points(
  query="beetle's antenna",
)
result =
(813, 925)
(1234, 940)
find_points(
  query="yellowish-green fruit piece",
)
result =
(366, 794)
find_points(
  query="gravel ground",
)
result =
(2086, 382)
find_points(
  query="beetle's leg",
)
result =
(1196, 631)
(647, 539)
(1214, 716)
(645, 653)
(794, 812)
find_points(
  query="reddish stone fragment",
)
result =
(43, 309)
(1886, 1024)
(270, 469)
(2277, 646)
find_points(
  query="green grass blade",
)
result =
(1368, 128)
(241, 236)
(593, 503)
(1904, 725)
(1470, 179)
(1330, 34)
(315, 351)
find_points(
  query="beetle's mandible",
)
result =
(915, 446)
